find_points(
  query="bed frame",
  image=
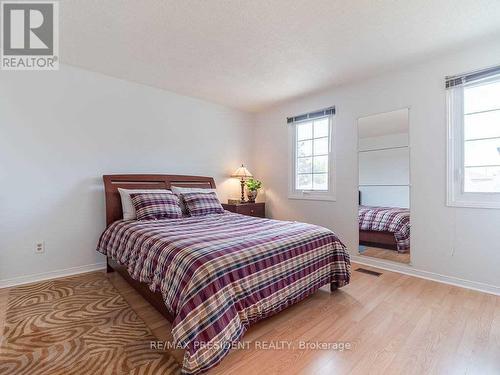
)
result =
(114, 212)
(373, 238)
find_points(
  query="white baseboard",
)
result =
(409, 270)
(389, 266)
(51, 275)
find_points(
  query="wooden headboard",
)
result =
(145, 181)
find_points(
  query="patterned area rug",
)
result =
(77, 325)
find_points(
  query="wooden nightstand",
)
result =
(249, 209)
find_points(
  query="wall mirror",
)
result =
(384, 186)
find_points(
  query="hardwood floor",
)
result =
(386, 254)
(396, 324)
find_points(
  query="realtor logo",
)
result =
(30, 39)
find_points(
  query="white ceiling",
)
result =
(251, 54)
(394, 122)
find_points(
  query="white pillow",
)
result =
(127, 206)
(182, 190)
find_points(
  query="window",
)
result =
(474, 139)
(311, 156)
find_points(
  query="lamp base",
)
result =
(242, 200)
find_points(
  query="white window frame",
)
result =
(456, 197)
(293, 192)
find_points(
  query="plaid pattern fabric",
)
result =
(387, 219)
(218, 274)
(199, 204)
(151, 206)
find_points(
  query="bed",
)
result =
(215, 275)
(385, 227)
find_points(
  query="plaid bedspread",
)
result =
(220, 273)
(387, 219)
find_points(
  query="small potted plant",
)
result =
(253, 187)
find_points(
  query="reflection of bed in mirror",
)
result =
(384, 227)
(384, 185)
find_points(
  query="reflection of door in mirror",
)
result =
(384, 186)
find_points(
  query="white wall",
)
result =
(61, 131)
(384, 165)
(457, 242)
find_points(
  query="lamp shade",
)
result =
(241, 172)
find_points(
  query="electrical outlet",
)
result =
(40, 247)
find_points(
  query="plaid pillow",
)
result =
(149, 206)
(199, 204)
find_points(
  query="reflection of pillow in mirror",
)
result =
(183, 190)
(127, 206)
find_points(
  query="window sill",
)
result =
(312, 197)
(473, 204)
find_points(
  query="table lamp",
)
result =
(242, 173)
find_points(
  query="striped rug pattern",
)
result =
(77, 325)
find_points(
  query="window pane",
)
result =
(304, 165)
(304, 181)
(484, 152)
(482, 125)
(321, 128)
(304, 131)
(482, 180)
(312, 150)
(320, 164)
(320, 181)
(482, 98)
(321, 146)
(304, 148)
